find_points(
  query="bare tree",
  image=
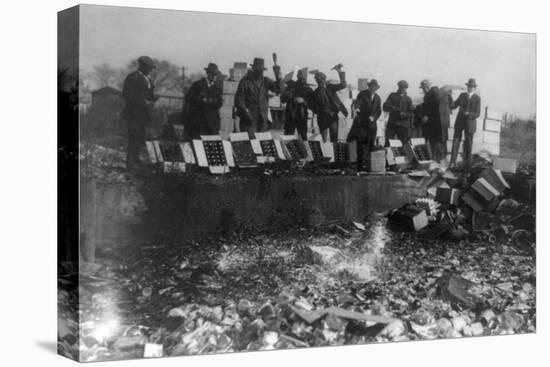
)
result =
(166, 76)
(106, 75)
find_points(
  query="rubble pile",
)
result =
(298, 289)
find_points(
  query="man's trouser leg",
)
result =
(290, 126)
(371, 139)
(333, 127)
(468, 141)
(361, 151)
(444, 138)
(322, 122)
(301, 126)
(403, 134)
(390, 133)
(456, 144)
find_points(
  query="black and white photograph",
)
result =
(234, 183)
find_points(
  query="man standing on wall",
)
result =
(431, 119)
(326, 104)
(400, 107)
(202, 105)
(138, 92)
(297, 96)
(251, 98)
(469, 106)
(369, 106)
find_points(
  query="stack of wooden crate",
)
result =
(487, 136)
(228, 120)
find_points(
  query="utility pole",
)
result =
(183, 79)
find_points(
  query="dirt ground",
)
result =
(341, 284)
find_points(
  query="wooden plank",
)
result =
(158, 152)
(187, 152)
(228, 150)
(256, 147)
(279, 149)
(493, 114)
(151, 151)
(491, 137)
(200, 153)
(328, 150)
(239, 136)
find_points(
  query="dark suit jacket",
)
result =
(397, 104)
(469, 111)
(296, 111)
(252, 96)
(432, 128)
(137, 92)
(203, 105)
(333, 105)
(368, 108)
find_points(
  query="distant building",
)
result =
(106, 95)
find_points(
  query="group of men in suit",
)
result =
(433, 119)
(204, 100)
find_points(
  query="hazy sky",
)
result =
(502, 63)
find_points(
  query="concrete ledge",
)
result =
(178, 208)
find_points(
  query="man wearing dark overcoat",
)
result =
(445, 104)
(326, 104)
(363, 129)
(469, 107)
(400, 108)
(202, 104)
(431, 119)
(297, 96)
(138, 92)
(251, 98)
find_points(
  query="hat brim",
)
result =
(215, 71)
(470, 85)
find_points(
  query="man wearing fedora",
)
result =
(326, 104)
(202, 105)
(138, 92)
(431, 119)
(363, 129)
(297, 96)
(251, 98)
(400, 108)
(469, 107)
